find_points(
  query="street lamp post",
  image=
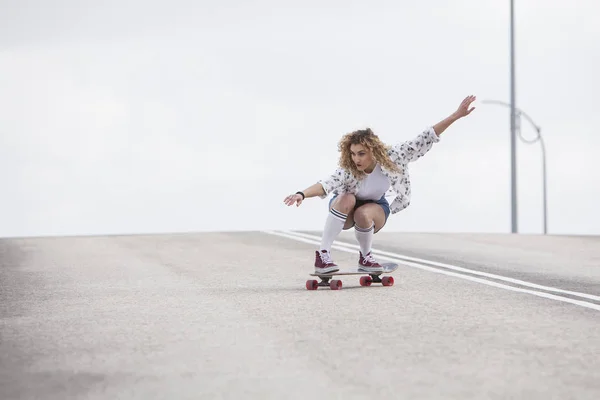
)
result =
(513, 139)
(538, 129)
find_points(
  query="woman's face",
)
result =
(362, 157)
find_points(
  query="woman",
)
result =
(367, 170)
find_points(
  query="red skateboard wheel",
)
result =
(387, 281)
(312, 284)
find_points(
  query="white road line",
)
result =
(347, 248)
(453, 267)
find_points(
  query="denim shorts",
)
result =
(382, 202)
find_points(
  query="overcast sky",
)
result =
(152, 116)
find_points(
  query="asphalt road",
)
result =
(227, 316)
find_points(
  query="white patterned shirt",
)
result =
(342, 181)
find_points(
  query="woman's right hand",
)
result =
(293, 198)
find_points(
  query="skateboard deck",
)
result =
(366, 280)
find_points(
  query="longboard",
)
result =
(366, 280)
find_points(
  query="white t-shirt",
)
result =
(373, 185)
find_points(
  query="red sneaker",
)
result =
(323, 263)
(368, 264)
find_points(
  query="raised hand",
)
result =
(464, 110)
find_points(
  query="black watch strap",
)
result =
(302, 194)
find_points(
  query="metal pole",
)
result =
(544, 172)
(513, 155)
(539, 137)
(520, 113)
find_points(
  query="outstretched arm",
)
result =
(311, 191)
(335, 182)
(462, 111)
(412, 150)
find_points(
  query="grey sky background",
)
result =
(147, 116)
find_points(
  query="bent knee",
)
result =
(361, 212)
(363, 216)
(345, 203)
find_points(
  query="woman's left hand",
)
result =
(464, 110)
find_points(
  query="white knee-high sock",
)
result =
(365, 238)
(333, 226)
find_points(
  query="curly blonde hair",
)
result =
(368, 139)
